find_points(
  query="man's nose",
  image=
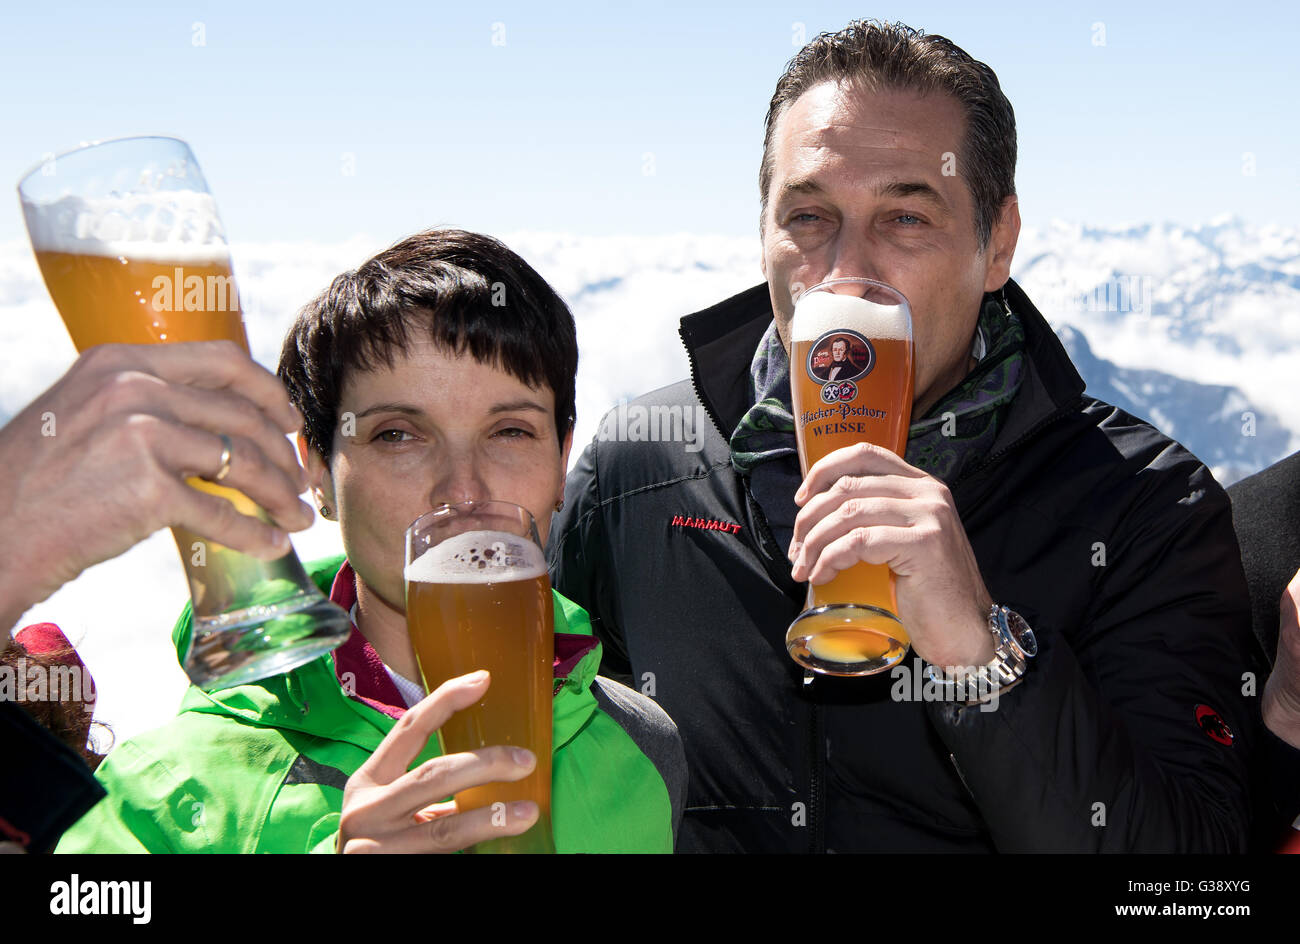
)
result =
(857, 254)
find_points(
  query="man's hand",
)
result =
(387, 808)
(1282, 690)
(97, 463)
(864, 504)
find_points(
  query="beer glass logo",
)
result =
(838, 358)
(839, 392)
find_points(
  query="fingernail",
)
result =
(280, 540)
(523, 809)
(523, 756)
(793, 554)
(308, 512)
(475, 678)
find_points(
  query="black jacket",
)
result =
(1266, 514)
(1104, 746)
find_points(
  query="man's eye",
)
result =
(393, 435)
(908, 219)
(804, 218)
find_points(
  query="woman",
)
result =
(441, 370)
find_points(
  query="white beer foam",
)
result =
(169, 226)
(478, 557)
(817, 313)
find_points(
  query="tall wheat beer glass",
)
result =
(478, 597)
(851, 377)
(132, 250)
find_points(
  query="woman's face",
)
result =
(433, 428)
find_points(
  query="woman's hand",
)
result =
(387, 808)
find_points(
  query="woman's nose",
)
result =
(459, 479)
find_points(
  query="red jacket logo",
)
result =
(1212, 724)
(706, 524)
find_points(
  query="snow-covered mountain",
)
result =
(1215, 304)
(1191, 328)
(1215, 422)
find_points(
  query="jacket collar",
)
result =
(362, 674)
(721, 340)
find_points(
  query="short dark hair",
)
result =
(877, 56)
(464, 291)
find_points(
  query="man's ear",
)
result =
(1002, 245)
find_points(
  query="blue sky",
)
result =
(324, 120)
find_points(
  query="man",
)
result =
(891, 155)
(840, 367)
(1266, 515)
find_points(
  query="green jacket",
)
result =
(261, 767)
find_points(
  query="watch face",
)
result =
(1022, 634)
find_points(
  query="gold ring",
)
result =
(226, 446)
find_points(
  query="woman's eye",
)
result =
(513, 432)
(393, 435)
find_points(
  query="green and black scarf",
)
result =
(959, 429)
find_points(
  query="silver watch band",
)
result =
(1001, 673)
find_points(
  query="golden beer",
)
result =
(500, 618)
(850, 626)
(116, 300)
(131, 247)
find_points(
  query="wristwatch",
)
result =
(1014, 645)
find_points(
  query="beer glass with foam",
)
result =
(478, 597)
(132, 251)
(851, 378)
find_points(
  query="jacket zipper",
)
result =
(816, 776)
(708, 407)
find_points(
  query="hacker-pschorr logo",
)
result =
(75, 897)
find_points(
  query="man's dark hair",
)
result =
(878, 56)
(466, 292)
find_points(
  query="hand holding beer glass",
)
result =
(478, 597)
(132, 250)
(851, 379)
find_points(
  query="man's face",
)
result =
(838, 350)
(859, 189)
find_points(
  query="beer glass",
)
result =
(132, 251)
(851, 377)
(478, 597)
